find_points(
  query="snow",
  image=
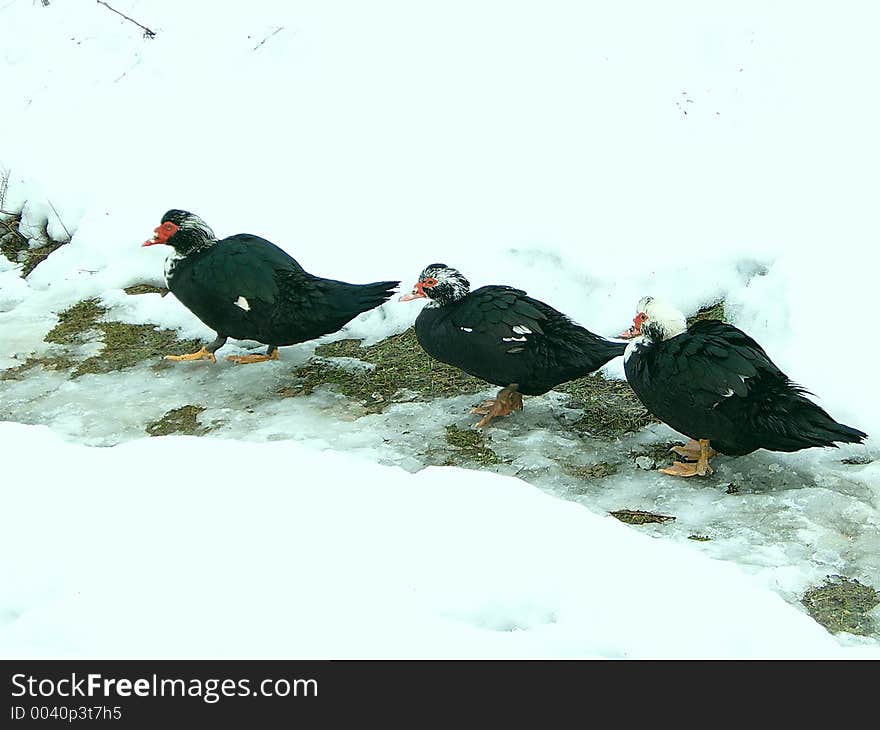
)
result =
(319, 554)
(589, 154)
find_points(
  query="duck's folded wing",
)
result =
(501, 313)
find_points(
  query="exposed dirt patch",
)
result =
(74, 322)
(52, 362)
(611, 409)
(136, 289)
(639, 517)
(842, 604)
(125, 345)
(470, 445)
(592, 471)
(183, 420)
(699, 538)
(857, 460)
(27, 247)
(402, 372)
(712, 311)
(12, 242)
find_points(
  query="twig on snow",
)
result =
(69, 237)
(4, 187)
(274, 32)
(147, 32)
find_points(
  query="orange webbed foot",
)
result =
(690, 469)
(691, 450)
(202, 354)
(247, 359)
(506, 402)
(702, 454)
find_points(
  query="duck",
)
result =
(501, 335)
(247, 288)
(716, 385)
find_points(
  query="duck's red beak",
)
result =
(636, 328)
(162, 233)
(154, 241)
(418, 292)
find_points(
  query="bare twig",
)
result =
(274, 32)
(4, 186)
(147, 32)
(125, 73)
(69, 237)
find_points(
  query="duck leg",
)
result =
(691, 450)
(507, 401)
(271, 354)
(206, 353)
(700, 469)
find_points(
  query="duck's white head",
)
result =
(655, 321)
(441, 284)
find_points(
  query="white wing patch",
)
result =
(466, 329)
(514, 339)
(521, 329)
(243, 304)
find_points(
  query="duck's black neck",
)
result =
(449, 291)
(192, 240)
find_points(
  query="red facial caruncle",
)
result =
(418, 291)
(636, 329)
(162, 233)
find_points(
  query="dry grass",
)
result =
(125, 345)
(401, 369)
(842, 604)
(592, 471)
(183, 420)
(17, 247)
(639, 517)
(611, 409)
(711, 311)
(136, 289)
(470, 445)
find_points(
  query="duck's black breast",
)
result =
(503, 336)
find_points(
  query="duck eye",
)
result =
(168, 225)
(430, 282)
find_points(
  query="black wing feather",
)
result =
(244, 266)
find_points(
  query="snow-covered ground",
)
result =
(589, 154)
(291, 552)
